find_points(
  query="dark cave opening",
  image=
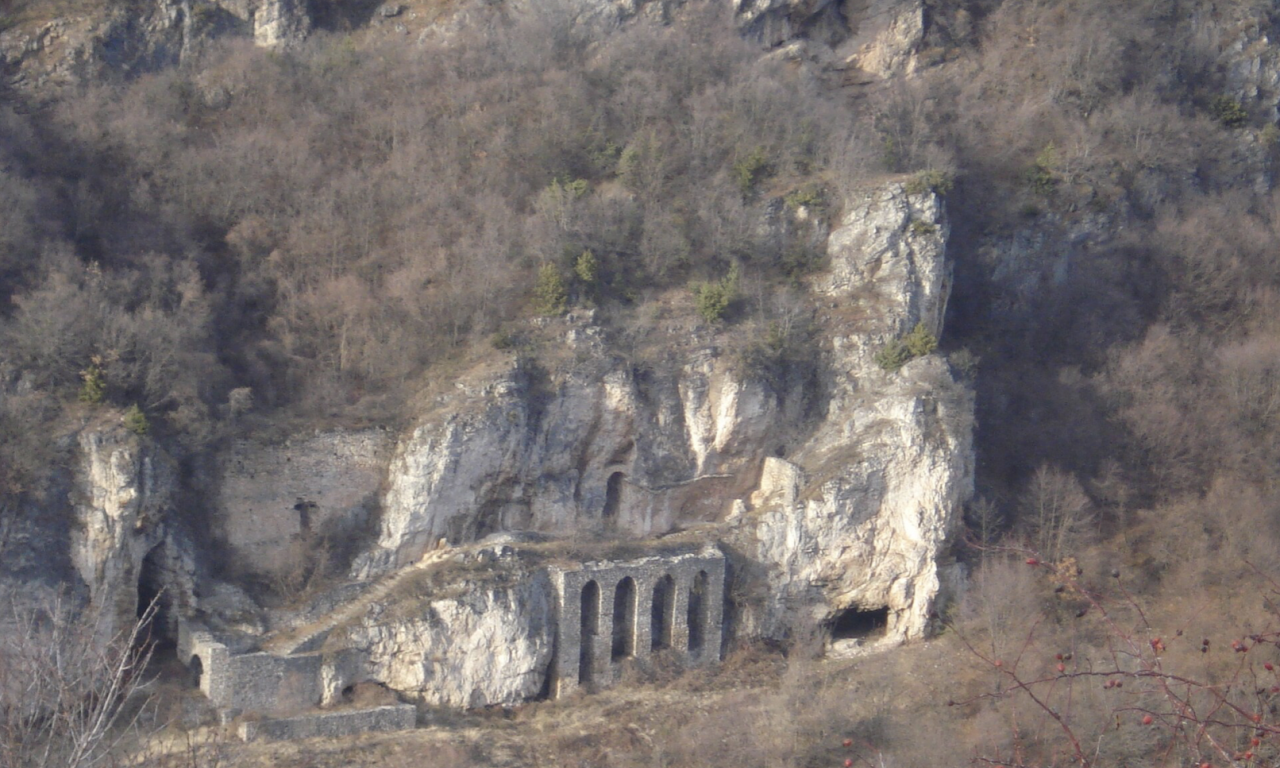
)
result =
(857, 624)
(151, 592)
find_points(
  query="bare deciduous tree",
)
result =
(69, 698)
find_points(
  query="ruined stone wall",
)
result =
(612, 611)
(398, 717)
(309, 489)
(260, 683)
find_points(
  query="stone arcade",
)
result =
(613, 611)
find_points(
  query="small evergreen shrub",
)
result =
(749, 171)
(899, 352)
(587, 268)
(502, 341)
(714, 299)
(930, 180)
(800, 260)
(1042, 176)
(921, 228)
(809, 196)
(1229, 111)
(549, 294)
(136, 421)
(94, 389)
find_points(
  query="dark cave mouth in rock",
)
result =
(152, 596)
(858, 624)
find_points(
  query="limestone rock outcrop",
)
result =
(125, 40)
(888, 36)
(278, 23)
(122, 545)
(487, 642)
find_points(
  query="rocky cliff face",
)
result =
(121, 544)
(487, 641)
(124, 40)
(859, 517)
(863, 508)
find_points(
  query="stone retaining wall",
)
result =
(398, 717)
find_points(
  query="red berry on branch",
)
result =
(848, 763)
(1032, 561)
(999, 663)
(1268, 666)
(1062, 668)
(1058, 656)
(1147, 720)
(847, 743)
(1255, 741)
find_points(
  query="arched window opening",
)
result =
(588, 628)
(613, 496)
(697, 612)
(197, 671)
(664, 599)
(624, 620)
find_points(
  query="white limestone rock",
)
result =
(489, 644)
(888, 37)
(281, 23)
(123, 491)
(863, 514)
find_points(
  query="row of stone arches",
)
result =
(609, 612)
(624, 630)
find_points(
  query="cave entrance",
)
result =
(587, 635)
(151, 591)
(613, 496)
(697, 612)
(664, 599)
(624, 620)
(858, 624)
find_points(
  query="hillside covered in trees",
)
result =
(258, 241)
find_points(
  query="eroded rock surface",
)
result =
(122, 545)
(483, 643)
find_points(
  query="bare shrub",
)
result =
(1056, 513)
(70, 696)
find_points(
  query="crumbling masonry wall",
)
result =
(260, 683)
(610, 611)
